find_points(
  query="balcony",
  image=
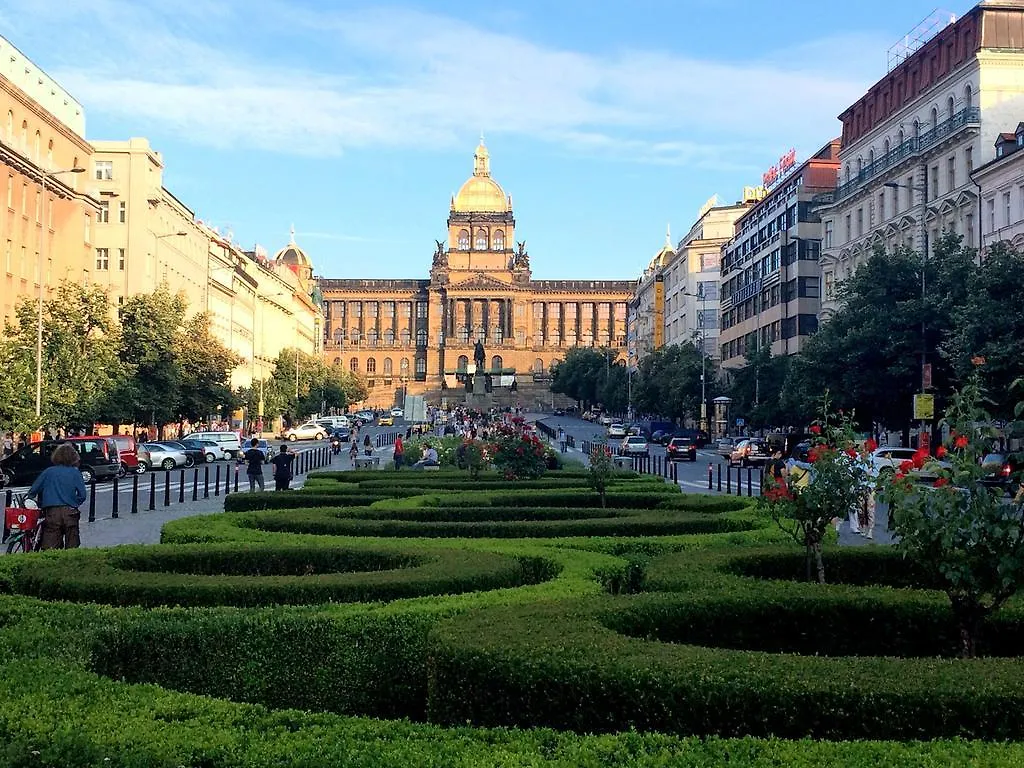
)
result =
(965, 118)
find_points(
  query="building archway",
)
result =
(497, 363)
(463, 363)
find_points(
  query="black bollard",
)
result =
(135, 493)
(9, 498)
(711, 475)
(92, 501)
(206, 481)
(675, 474)
(216, 482)
(167, 487)
(227, 478)
(750, 487)
(728, 478)
(719, 477)
(181, 488)
(152, 490)
(195, 484)
(236, 479)
(114, 502)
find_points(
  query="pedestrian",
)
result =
(562, 443)
(282, 469)
(59, 491)
(399, 452)
(253, 458)
(429, 457)
(367, 448)
(144, 437)
(776, 467)
(8, 444)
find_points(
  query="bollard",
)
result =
(135, 493)
(167, 487)
(114, 502)
(195, 484)
(206, 481)
(92, 501)
(9, 499)
(227, 478)
(750, 488)
(711, 475)
(216, 482)
(181, 488)
(675, 474)
(719, 477)
(728, 478)
(236, 478)
(152, 490)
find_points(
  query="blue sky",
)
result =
(356, 121)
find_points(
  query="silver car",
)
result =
(165, 457)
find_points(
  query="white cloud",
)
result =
(281, 78)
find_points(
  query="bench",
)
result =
(367, 461)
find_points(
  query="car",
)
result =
(680, 448)
(386, 420)
(366, 417)
(634, 445)
(885, 462)
(635, 429)
(559, 412)
(211, 451)
(100, 459)
(1002, 470)
(167, 457)
(660, 436)
(725, 446)
(308, 431)
(344, 434)
(229, 442)
(193, 456)
(398, 413)
(750, 451)
(605, 420)
(616, 430)
(128, 449)
(333, 422)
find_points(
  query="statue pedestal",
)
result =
(479, 398)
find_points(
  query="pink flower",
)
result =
(815, 429)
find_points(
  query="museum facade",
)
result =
(418, 336)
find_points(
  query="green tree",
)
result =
(17, 409)
(757, 391)
(204, 366)
(581, 373)
(668, 382)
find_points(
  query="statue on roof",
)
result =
(522, 258)
(440, 255)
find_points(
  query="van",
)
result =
(228, 442)
(334, 422)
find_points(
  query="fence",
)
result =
(145, 494)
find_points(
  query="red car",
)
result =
(129, 451)
(680, 448)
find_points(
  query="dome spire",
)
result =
(668, 235)
(481, 160)
(291, 235)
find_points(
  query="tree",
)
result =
(757, 390)
(601, 468)
(16, 407)
(581, 374)
(150, 324)
(668, 382)
(205, 367)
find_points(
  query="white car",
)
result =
(308, 431)
(606, 420)
(617, 430)
(635, 445)
(398, 413)
(165, 457)
(885, 462)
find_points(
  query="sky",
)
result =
(355, 122)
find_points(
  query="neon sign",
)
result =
(777, 171)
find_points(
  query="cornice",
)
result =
(44, 114)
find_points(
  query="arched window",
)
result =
(950, 106)
(871, 158)
(387, 366)
(389, 336)
(463, 363)
(337, 361)
(49, 155)
(499, 240)
(406, 337)
(371, 337)
(497, 363)
(463, 334)
(403, 367)
(847, 173)
(354, 335)
(935, 117)
(371, 365)
(480, 243)
(968, 97)
(900, 138)
(24, 136)
(353, 365)
(886, 147)
(538, 366)
(860, 165)
(339, 335)
(10, 127)
(36, 145)
(421, 337)
(463, 239)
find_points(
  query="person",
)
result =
(429, 457)
(144, 436)
(399, 452)
(335, 444)
(367, 448)
(776, 467)
(282, 469)
(561, 438)
(253, 458)
(353, 452)
(59, 491)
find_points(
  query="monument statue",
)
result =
(479, 355)
(440, 256)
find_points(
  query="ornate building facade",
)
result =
(417, 336)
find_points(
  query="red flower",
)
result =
(899, 475)
(815, 429)
(852, 453)
(941, 481)
(870, 445)
(906, 466)
(941, 451)
(977, 360)
(960, 442)
(920, 457)
(814, 454)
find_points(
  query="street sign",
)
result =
(926, 376)
(924, 407)
(740, 422)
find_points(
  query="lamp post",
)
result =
(700, 294)
(156, 256)
(923, 189)
(43, 226)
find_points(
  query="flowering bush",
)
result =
(517, 455)
(832, 482)
(601, 468)
(962, 533)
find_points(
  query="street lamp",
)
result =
(44, 225)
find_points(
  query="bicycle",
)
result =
(23, 527)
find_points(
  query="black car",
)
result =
(99, 460)
(344, 434)
(1002, 470)
(680, 448)
(193, 455)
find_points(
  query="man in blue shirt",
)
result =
(59, 491)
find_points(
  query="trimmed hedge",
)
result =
(239, 575)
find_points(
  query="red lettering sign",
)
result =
(779, 170)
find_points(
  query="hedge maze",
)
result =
(408, 619)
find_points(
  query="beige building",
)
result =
(44, 238)
(1002, 192)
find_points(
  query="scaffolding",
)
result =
(936, 21)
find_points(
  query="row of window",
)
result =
(801, 287)
(103, 259)
(371, 365)
(1000, 210)
(339, 309)
(800, 325)
(481, 240)
(354, 336)
(496, 363)
(104, 215)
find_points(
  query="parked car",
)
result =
(167, 457)
(193, 456)
(308, 431)
(885, 462)
(725, 447)
(398, 413)
(680, 448)
(605, 420)
(333, 422)
(229, 442)
(134, 457)
(211, 451)
(634, 445)
(99, 457)
(750, 451)
(367, 417)
(616, 430)
(1002, 470)
(660, 437)
(386, 420)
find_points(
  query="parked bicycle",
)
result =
(23, 526)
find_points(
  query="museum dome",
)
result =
(481, 193)
(292, 255)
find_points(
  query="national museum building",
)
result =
(421, 333)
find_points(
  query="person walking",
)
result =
(253, 458)
(59, 491)
(399, 452)
(283, 469)
(367, 448)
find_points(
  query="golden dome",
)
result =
(481, 193)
